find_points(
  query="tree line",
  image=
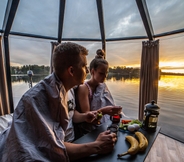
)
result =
(123, 70)
(45, 70)
(35, 68)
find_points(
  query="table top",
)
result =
(121, 146)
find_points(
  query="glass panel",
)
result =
(124, 84)
(37, 17)
(172, 54)
(82, 22)
(171, 86)
(3, 4)
(91, 47)
(124, 53)
(166, 15)
(25, 54)
(122, 19)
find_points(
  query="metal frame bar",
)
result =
(61, 19)
(52, 38)
(7, 24)
(141, 4)
(126, 38)
(98, 40)
(32, 35)
(169, 33)
(101, 22)
(11, 9)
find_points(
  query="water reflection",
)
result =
(26, 79)
(125, 90)
(118, 77)
(172, 82)
(166, 81)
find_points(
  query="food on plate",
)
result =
(135, 121)
(125, 121)
(137, 126)
(99, 116)
(134, 146)
(130, 125)
(131, 128)
(143, 142)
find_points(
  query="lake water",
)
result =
(125, 91)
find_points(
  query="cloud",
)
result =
(166, 16)
(25, 51)
(121, 19)
(37, 17)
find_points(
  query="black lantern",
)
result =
(150, 119)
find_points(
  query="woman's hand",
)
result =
(111, 110)
(90, 116)
(94, 117)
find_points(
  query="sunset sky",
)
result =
(121, 19)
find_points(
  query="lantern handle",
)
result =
(153, 102)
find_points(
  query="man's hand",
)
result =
(106, 142)
(102, 145)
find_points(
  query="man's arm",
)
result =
(102, 145)
(77, 151)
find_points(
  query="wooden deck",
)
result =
(166, 149)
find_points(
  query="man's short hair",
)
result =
(67, 54)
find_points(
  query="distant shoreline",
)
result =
(167, 73)
(27, 75)
(162, 73)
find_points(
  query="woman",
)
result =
(94, 95)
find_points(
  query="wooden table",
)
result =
(121, 146)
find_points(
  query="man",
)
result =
(30, 75)
(41, 117)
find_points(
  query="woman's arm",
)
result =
(84, 117)
(111, 110)
(83, 99)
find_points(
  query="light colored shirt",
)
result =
(69, 133)
(39, 123)
(30, 72)
(101, 98)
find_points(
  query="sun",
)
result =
(172, 67)
(171, 64)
